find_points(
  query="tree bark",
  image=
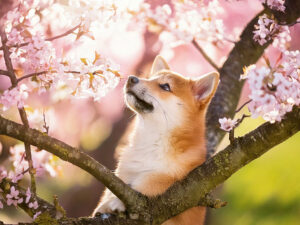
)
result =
(193, 189)
(245, 52)
(183, 194)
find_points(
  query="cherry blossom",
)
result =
(3, 173)
(33, 205)
(274, 4)
(49, 68)
(227, 124)
(28, 195)
(13, 197)
(36, 215)
(187, 20)
(15, 96)
(268, 29)
(15, 177)
(274, 91)
(42, 161)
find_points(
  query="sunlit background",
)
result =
(265, 192)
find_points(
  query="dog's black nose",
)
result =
(133, 80)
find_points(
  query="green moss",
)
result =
(45, 219)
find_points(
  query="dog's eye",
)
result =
(165, 87)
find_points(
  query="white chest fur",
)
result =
(146, 155)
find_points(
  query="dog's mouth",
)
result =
(140, 104)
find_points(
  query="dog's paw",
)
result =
(110, 205)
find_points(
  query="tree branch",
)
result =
(203, 53)
(130, 198)
(183, 194)
(22, 112)
(31, 75)
(245, 52)
(4, 72)
(186, 193)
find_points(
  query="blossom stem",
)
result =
(239, 121)
(203, 53)
(21, 110)
(242, 106)
(31, 75)
(43, 72)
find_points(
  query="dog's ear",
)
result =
(158, 65)
(205, 86)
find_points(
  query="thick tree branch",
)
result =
(187, 193)
(245, 52)
(73, 155)
(183, 194)
(132, 199)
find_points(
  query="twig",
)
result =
(47, 39)
(40, 73)
(21, 110)
(208, 59)
(242, 106)
(231, 135)
(211, 202)
(4, 72)
(44, 72)
(64, 34)
(229, 40)
(31, 75)
(238, 122)
(45, 124)
(289, 24)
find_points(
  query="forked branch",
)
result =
(183, 194)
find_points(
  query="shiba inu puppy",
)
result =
(169, 136)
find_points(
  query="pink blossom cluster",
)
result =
(227, 124)
(185, 20)
(31, 53)
(268, 29)
(42, 161)
(15, 96)
(95, 79)
(274, 4)
(14, 197)
(188, 20)
(274, 90)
